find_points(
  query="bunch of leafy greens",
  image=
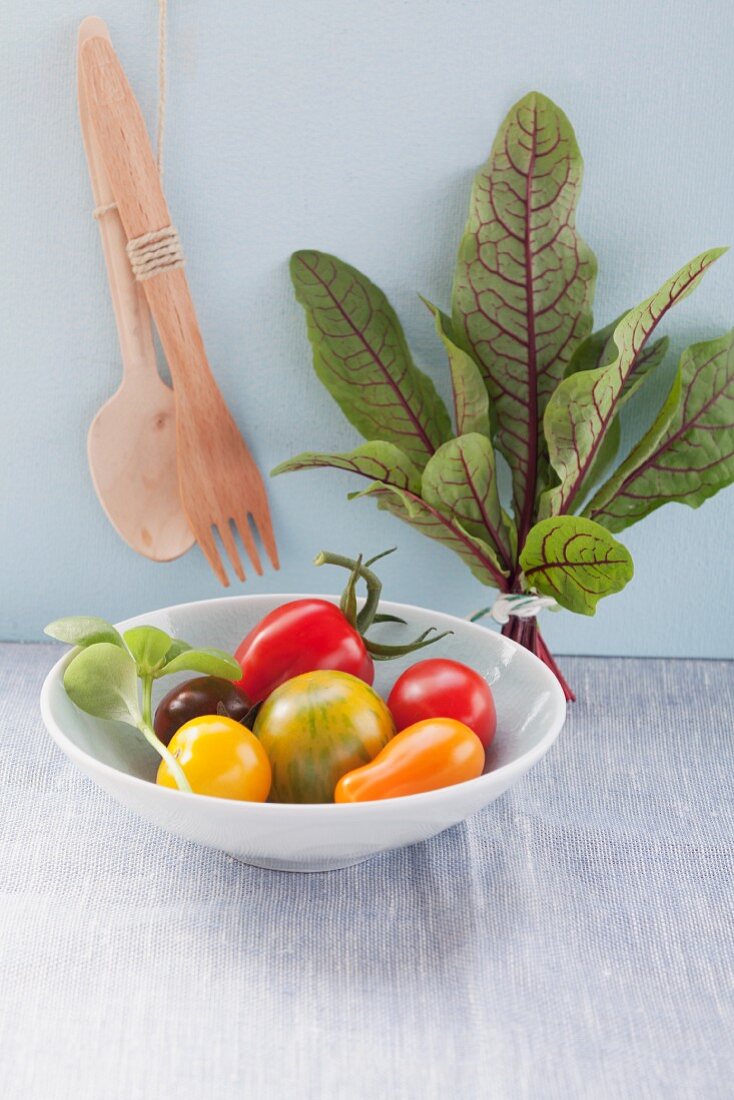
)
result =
(531, 380)
(102, 677)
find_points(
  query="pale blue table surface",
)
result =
(573, 940)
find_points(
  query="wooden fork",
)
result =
(221, 487)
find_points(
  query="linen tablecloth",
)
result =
(573, 940)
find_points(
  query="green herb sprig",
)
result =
(112, 675)
(531, 380)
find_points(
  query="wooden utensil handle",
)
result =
(126, 151)
(172, 307)
(132, 315)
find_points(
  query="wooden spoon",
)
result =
(132, 440)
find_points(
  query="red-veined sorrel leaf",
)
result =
(575, 560)
(431, 522)
(361, 356)
(471, 400)
(379, 461)
(585, 404)
(460, 481)
(524, 281)
(598, 350)
(688, 453)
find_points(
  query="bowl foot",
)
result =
(315, 866)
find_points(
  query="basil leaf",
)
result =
(83, 630)
(361, 356)
(688, 453)
(102, 681)
(585, 404)
(471, 400)
(524, 282)
(378, 460)
(149, 646)
(576, 561)
(460, 481)
(211, 662)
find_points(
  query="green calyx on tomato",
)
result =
(315, 728)
(310, 634)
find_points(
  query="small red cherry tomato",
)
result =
(301, 636)
(440, 688)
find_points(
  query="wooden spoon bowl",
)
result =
(132, 457)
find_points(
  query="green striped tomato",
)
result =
(315, 728)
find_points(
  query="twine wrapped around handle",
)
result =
(155, 253)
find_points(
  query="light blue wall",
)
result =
(355, 128)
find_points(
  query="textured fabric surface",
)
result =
(573, 940)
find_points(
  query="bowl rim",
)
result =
(133, 782)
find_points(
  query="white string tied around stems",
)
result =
(521, 605)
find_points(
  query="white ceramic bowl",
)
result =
(530, 709)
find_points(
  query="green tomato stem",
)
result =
(382, 652)
(348, 602)
(374, 585)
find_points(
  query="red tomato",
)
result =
(301, 636)
(439, 688)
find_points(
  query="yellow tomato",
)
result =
(219, 758)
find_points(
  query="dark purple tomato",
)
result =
(196, 698)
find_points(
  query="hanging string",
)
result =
(100, 211)
(162, 81)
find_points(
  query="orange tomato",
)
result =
(219, 758)
(437, 752)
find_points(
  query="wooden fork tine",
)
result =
(225, 534)
(240, 522)
(265, 531)
(205, 538)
